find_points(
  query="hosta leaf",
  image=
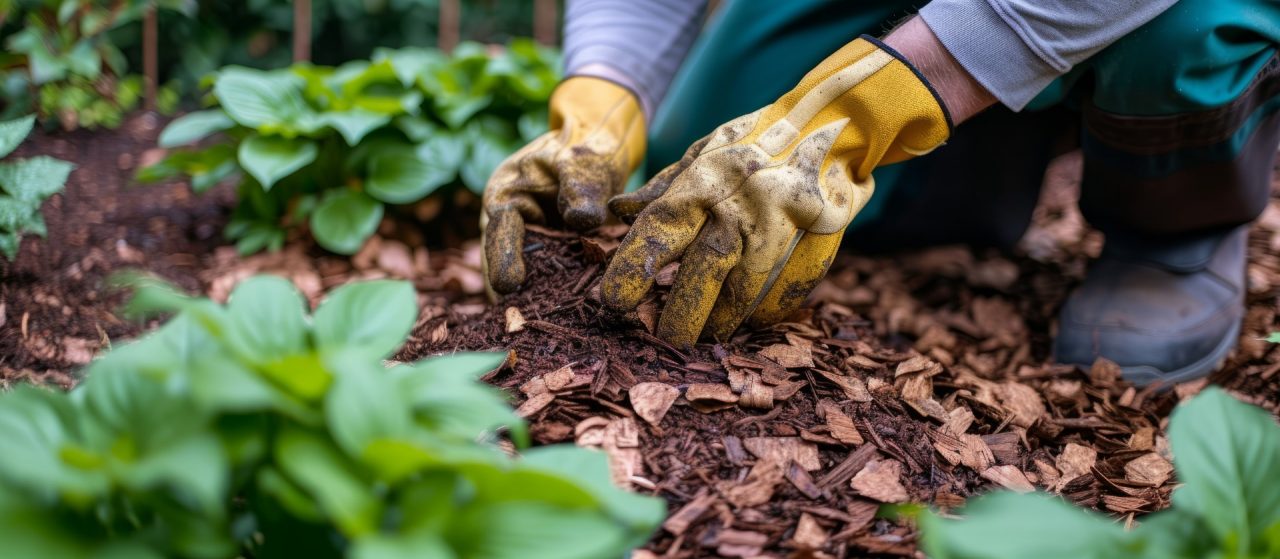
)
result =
(1017, 526)
(444, 150)
(271, 158)
(485, 156)
(401, 546)
(589, 470)
(35, 178)
(345, 219)
(416, 128)
(15, 214)
(375, 316)
(12, 132)
(9, 244)
(401, 177)
(457, 405)
(355, 124)
(460, 109)
(313, 463)
(469, 365)
(364, 404)
(411, 62)
(1274, 338)
(1227, 455)
(195, 466)
(515, 530)
(268, 318)
(261, 99)
(194, 126)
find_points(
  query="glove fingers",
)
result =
(702, 272)
(746, 284)
(503, 247)
(587, 180)
(660, 235)
(627, 206)
(805, 267)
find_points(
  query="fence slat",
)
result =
(450, 25)
(150, 57)
(545, 13)
(301, 30)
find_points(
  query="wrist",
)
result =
(963, 96)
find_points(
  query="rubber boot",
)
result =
(1166, 312)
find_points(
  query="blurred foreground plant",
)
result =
(328, 146)
(1227, 456)
(256, 430)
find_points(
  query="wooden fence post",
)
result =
(544, 21)
(301, 30)
(150, 57)
(450, 25)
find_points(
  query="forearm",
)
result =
(638, 44)
(960, 92)
(1015, 48)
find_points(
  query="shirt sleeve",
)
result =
(638, 44)
(1015, 48)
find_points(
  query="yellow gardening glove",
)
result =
(596, 140)
(755, 211)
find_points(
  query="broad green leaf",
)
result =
(12, 132)
(485, 156)
(411, 62)
(461, 109)
(268, 318)
(401, 177)
(34, 179)
(9, 244)
(515, 530)
(355, 124)
(301, 375)
(271, 158)
(83, 60)
(321, 470)
(470, 365)
(37, 425)
(29, 530)
(374, 316)
(1227, 454)
(589, 470)
(195, 126)
(383, 546)
(416, 128)
(345, 219)
(15, 214)
(263, 100)
(1274, 338)
(364, 404)
(445, 150)
(450, 400)
(1008, 525)
(532, 125)
(195, 466)
(290, 496)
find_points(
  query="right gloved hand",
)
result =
(597, 139)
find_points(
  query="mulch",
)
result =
(922, 377)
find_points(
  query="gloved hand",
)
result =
(597, 139)
(756, 210)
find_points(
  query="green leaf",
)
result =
(456, 405)
(194, 465)
(469, 365)
(1274, 338)
(364, 404)
(264, 100)
(9, 244)
(485, 156)
(515, 530)
(401, 546)
(35, 178)
(345, 219)
(1227, 455)
(195, 126)
(374, 316)
(355, 124)
(268, 319)
(401, 177)
(444, 150)
(15, 214)
(12, 132)
(271, 158)
(1008, 525)
(323, 472)
(589, 469)
(459, 110)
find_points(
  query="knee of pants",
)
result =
(1197, 55)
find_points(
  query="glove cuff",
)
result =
(946, 114)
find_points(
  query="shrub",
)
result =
(24, 185)
(327, 147)
(255, 430)
(1227, 455)
(63, 65)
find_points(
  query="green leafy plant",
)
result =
(329, 146)
(1227, 455)
(256, 430)
(24, 185)
(62, 63)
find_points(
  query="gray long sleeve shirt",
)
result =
(1014, 48)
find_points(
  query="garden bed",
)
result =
(920, 378)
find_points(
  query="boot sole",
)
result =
(1145, 375)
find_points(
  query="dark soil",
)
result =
(55, 312)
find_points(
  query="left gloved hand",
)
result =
(755, 211)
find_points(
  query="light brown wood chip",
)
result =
(783, 450)
(1149, 469)
(789, 356)
(651, 400)
(1009, 477)
(879, 480)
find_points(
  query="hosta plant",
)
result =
(63, 64)
(328, 147)
(257, 429)
(24, 185)
(1227, 456)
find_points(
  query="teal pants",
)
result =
(1178, 121)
